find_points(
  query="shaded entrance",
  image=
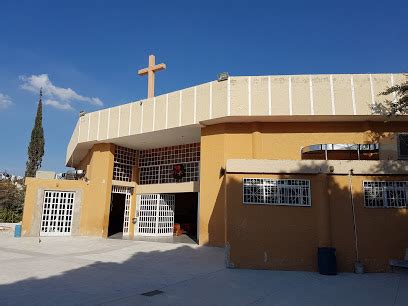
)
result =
(116, 214)
(185, 214)
(119, 212)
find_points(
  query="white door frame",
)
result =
(128, 201)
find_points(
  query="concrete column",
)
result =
(95, 210)
(256, 141)
(323, 214)
(132, 212)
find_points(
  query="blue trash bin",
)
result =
(17, 231)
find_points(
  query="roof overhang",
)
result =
(177, 117)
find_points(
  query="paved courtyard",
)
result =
(91, 271)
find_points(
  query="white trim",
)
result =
(128, 203)
(333, 104)
(99, 122)
(130, 117)
(154, 112)
(269, 96)
(107, 132)
(195, 104)
(229, 96)
(394, 95)
(211, 100)
(89, 125)
(372, 90)
(290, 96)
(353, 94)
(249, 97)
(141, 117)
(311, 95)
(119, 122)
(79, 129)
(167, 109)
(180, 106)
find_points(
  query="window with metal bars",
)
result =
(125, 159)
(57, 213)
(390, 194)
(156, 165)
(276, 192)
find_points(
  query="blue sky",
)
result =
(96, 47)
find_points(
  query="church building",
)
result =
(268, 167)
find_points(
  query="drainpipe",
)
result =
(358, 266)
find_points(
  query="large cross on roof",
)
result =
(150, 70)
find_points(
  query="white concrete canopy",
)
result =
(176, 117)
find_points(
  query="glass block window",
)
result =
(125, 159)
(276, 192)
(390, 194)
(156, 165)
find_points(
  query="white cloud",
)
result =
(58, 97)
(5, 101)
(58, 105)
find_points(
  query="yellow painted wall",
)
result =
(266, 141)
(286, 238)
(94, 215)
(32, 187)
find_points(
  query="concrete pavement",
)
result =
(92, 271)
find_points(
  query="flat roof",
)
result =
(177, 117)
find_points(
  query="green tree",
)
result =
(397, 106)
(11, 201)
(36, 146)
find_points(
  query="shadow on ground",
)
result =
(103, 276)
(95, 272)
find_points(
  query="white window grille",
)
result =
(276, 192)
(58, 207)
(155, 215)
(125, 159)
(402, 146)
(127, 191)
(388, 194)
(156, 165)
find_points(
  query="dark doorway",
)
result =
(185, 213)
(116, 215)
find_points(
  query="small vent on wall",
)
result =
(403, 146)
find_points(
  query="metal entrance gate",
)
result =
(58, 207)
(127, 192)
(155, 214)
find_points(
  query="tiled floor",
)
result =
(90, 271)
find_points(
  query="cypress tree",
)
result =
(36, 146)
